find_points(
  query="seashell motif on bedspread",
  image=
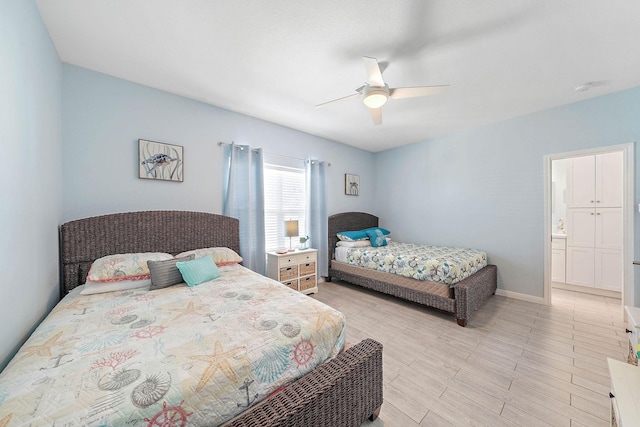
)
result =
(420, 262)
(118, 379)
(151, 390)
(272, 364)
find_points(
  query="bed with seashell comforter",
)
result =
(457, 281)
(241, 349)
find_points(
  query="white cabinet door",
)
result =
(580, 268)
(594, 221)
(581, 178)
(581, 227)
(608, 228)
(558, 273)
(609, 181)
(608, 269)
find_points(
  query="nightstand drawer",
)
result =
(293, 284)
(307, 283)
(288, 273)
(292, 259)
(308, 268)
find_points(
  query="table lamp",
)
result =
(291, 230)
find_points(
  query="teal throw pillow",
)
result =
(198, 271)
(376, 236)
(352, 236)
(383, 230)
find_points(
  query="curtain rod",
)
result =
(220, 144)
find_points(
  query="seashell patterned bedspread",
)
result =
(174, 356)
(421, 262)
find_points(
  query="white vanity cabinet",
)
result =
(558, 258)
(594, 221)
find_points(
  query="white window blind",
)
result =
(284, 199)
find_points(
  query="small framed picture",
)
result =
(351, 184)
(160, 161)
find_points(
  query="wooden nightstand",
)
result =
(298, 270)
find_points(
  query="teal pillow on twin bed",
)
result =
(352, 236)
(376, 236)
(380, 229)
(198, 271)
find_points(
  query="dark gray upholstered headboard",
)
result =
(84, 240)
(348, 221)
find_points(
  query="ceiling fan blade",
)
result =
(338, 100)
(374, 75)
(412, 92)
(376, 115)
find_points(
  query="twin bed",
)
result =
(241, 350)
(461, 298)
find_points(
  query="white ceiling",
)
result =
(277, 59)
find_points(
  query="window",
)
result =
(284, 199)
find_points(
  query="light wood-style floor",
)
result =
(516, 363)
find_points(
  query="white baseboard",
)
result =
(519, 296)
(586, 290)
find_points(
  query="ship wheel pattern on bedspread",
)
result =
(169, 416)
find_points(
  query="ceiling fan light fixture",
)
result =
(376, 98)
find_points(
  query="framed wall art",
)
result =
(351, 184)
(160, 161)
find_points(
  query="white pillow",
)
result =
(91, 288)
(356, 244)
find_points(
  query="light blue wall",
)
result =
(484, 188)
(30, 137)
(103, 117)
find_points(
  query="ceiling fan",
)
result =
(375, 92)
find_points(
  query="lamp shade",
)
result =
(291, 228)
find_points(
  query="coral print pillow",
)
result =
(119, 267)
(221, 256)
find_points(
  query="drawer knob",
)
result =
(628, 330)
(611, 395)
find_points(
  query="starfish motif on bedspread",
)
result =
(323, 317)
(219, 360)
(43, 349)
(5, 421)
(190, 309)
(74, 305)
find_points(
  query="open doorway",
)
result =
(589, 223)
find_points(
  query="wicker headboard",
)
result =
(348, 221)
(85, 240)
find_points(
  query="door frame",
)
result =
(628, 209)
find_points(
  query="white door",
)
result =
(581, 227)
(581, 178)
(608, 228)
(608, 269)
(580, 268)
(609, 180)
